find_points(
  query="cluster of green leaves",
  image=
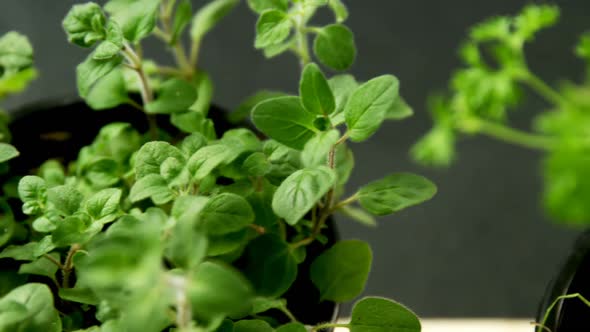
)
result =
(16, 72)
(283, 26)
(491, 83)
(145, 231)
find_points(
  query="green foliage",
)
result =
(146, 229)
(340, 273)
(382, 315)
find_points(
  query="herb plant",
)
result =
(491, 84)
(196, 230)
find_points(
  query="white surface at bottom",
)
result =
(473, 325)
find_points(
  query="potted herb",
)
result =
(172, 218)
(483, 92)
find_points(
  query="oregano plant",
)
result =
(189, 228)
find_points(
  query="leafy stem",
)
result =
(559, 299)
(543, 89)
(68, 266)
(166, 35)
(506, 134)
(302, 47)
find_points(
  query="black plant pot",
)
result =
(60, 128)
(574, 277)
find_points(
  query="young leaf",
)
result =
(284, 120)
(272, 28)
(359, 215)
(205, 160)
(37, 301)
(112, 45)
(182, 18)
(226, 213)
(85, 24)
(108, 92)
(175, 96)
(204, 92)
(154, 186)
(395, 192)
(399, 110)
(256, 165)
(301, 191)
(104, 205)
(340, 273)
(374, 314)
(271, 266)
(368, 105)
(151, 156)
(339, 9)
(137, 18)
(7, 152)
(317, 150)
(66, 199)
(16, 53)
(194, 122)
(217, 291)
(91, 70)
(32, 190)
(208, 16)
(254, 325)
(260, 6)
(315, 92)
(73, 229)
(334, 46)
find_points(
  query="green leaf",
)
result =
(175, 96)
(42, 267)
(254, 325)
(340, 273)
(399, 111)
(273, 27)
(16, 53)
(358, 215)
(37, 301)
(79, 295)
(152, 186)
(91, 70)
(32, 190)
(343, 87)
(104, 205)
(205, 160)
(395, 192)
(217, 291)
(7, 152)
(317, 150)
(534, 18)
(8, 226)
(187, 247)
(259, 6)
(256, 165)
(292, 327)
(301, 191)
(17, 82)
(66, 199)
(113, 43)
(29, 251)
(226, 213)
(205, 94)
(182, 18)
(152, 155)
(73, 229)
(194, 122)
(263, 304)
(374, 314)
(368, 105)
(315, 92)
(339, 9)
(108, 92)
(271, 267)
(209, 16)
(137, 18)
(334, 46)
(284, 120)
(85, 24)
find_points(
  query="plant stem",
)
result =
(54, 261)
(557, 300)
(508, 134)
(288, 313)
(147, 94)
(166, 35)
(327, 326)
(345, 202)
(301, 35)
(183, 307)
(69, 265)
(544, 90)
(258, 229)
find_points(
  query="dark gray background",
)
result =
(482, 247)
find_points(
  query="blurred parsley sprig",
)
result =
(491, 83)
